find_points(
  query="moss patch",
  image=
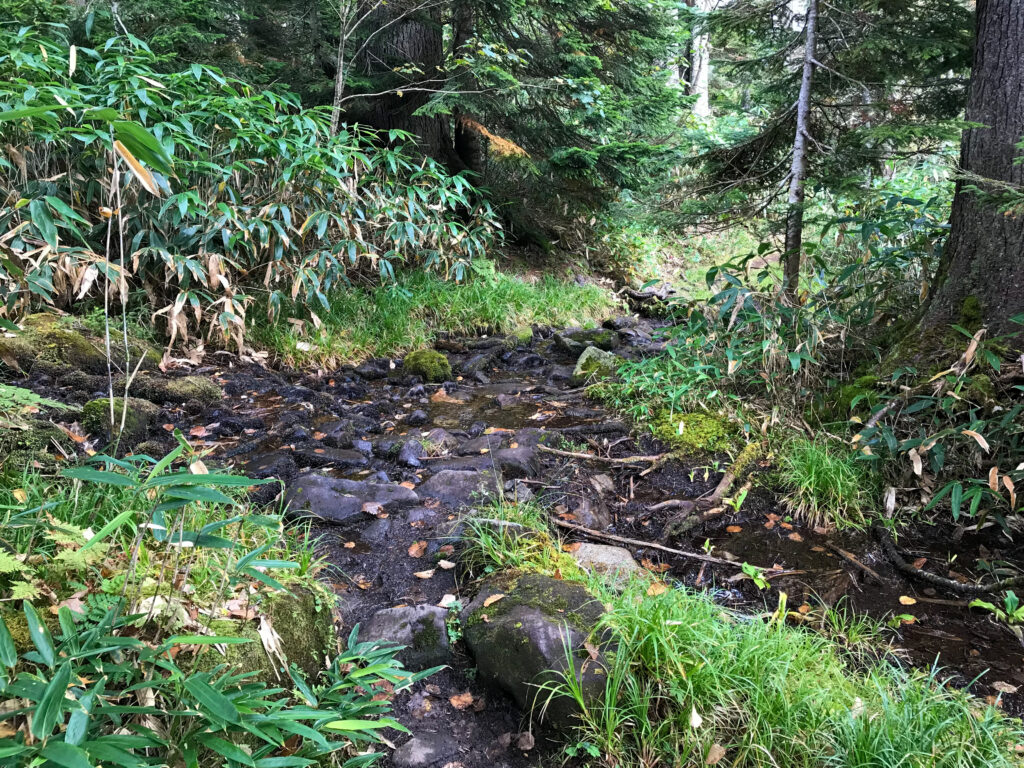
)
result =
(428, 364)
(140, 416)
(695, 432)
(35, 443)
(179, 390)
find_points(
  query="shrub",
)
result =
(826, 483)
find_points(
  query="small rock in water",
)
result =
(417, 418)
(411, 453)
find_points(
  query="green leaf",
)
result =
(98, 476)
(212, 699)
(109, 528)
(226, 749)
(143, 145)
(8, 653)
(66, 755)
(50, 708)
(40, 635)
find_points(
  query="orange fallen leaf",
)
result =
(919, 563)
(734, 529)
(770, 524)
(461, 701)
(424, 574)
(417, 549)
(407, 484)
(657, 588)
(20, 495)
(787, 526)
(804, 609)
(492, 600)
(715, 755)
(794, 536)
(572, 547)
(907, 600)
(445, 565)
(198, 431)
(350, 545)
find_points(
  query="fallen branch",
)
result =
(592, 534)
(608, 459)
(889, 548)
(855, 562)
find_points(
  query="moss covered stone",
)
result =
(695, 433)
(178, 390)
(981, 389)
(35, 441)
(594, 363)
(429, 365)
(17, 352)
(305, 622)
(140, 416)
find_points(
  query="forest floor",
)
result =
(413, 456)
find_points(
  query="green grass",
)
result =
(387, 321)
(827, 484)
(690, 680)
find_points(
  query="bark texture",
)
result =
(984, 259)
(798, 170)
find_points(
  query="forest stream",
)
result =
(385, 464)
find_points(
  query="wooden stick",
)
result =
(592, 457)
(647, 544)
(854, 561)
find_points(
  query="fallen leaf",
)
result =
(977, 438)
(488, 602)
(447, 550)
(592, 650)
(657, 588)
(445, 565)
(804, 609)
(350, 545)
(362, 582)
(821, 530)
(787, 526)
(461, 701)
(20, 495)
(907, 600)
(417, 549)
(424, 574)
(441, 396)
(794, 536)
(818, 549)
(770, 524)
(573, 547)
(407, 484)
(734, 529)
(696, 721)
(1006, 688)
(198, 431)
(650, 565)
(447, 601)
(919, 563)
(715, 754)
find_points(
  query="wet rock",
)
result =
(506, 402)
(568, 345)
(481, 377)
(335, 499)
(442, 439)
(593, 364)
(521, 492)
(428, 364)
(593, 514)
(480, 445)
(314, 454)
(374, 369)
(417, 418)
(420, 628)
(601, 338)
(607, 560)
(618, 323)
(417, 391)
(431, 750)
(363, 446)
(139, 416)
(421, 514)
(275, 464)
(337, 434)
(376, 532)
(524, 639)
(458, 488)
(411, 453)
(477, 362)
(603, 484)
(476, 429)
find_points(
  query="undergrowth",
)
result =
(693, 683)
(827, 483)
(385, 321)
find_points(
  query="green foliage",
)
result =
(828, 485)
(430, 365)
(695, 433)
(1011, 611)
(17, 401)
(200, 157)
(96, 695)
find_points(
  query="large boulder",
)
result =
(182, 389)
(336, 499)
(459, 488)
(594, 363)
(420, 628)
(530, 635)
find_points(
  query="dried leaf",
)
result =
(447, 601)
(492, 600)
(993, 479)
(794, 536)
(417, 549)
(141, 172)
(715, 754)
(572, 547)
(272, 645)
(919, 563)
(907, 600)
(977, 438)
(198, 468)
(525, 742)
(20, 495)
(734, 529)
(657, 588)
(349, 545)
(445, 565)
(1006, 688)
(592, 651)
(424, 574)
(461, 701)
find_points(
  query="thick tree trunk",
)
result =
(983, 266)
(798, 170)
(698, 76)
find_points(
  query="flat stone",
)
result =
(607, 560)
(317, 455)
(429, 750)
(480, 445)
(419, 628)
(411, 453)
(458, 488)
(336, 499)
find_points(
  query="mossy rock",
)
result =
(17, 350)
(602, 338)
(178, 390)
(981, 389)
(595, 363)
(695, 433)
(33, 442)
(518, 337)
(304, 620)
(140, 416)
(429, 365)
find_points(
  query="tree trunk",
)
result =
(798, 170)
(698, 77)
(982, 269)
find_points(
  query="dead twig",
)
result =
(855, 562)
(592, 534)
(608, 459)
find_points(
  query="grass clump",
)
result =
(691, 683)
(387, 321)
(827, 484)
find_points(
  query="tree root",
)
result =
(901, 565)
